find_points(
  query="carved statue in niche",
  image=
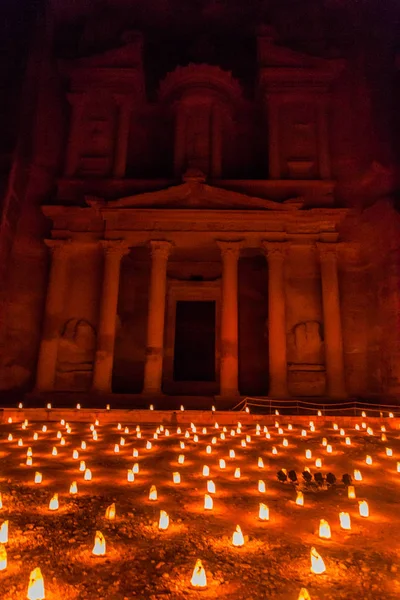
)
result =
(305, 344)
(76, 353)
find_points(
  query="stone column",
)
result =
(229, 319)
(332, 321)
(77, 102)
(156, 317)
(53, 315)
(323, 141)
(179, 142)
(122, 134)
(114, 250)
(216, 154)
(273, 136)
(275, 253)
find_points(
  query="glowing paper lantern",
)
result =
(3, 558)
(363, 508)
(274, 450)
(54, 451)
(237, 473)
(318, 463)
(261, 486)
(153, 493)
(38, 477)
(206, 471)
(210, 487)
(116, 448)
(75, 454)
(36, 585)
(20, 442)
(324, 442)
(300, 499)
(237, 538)
(345, 522)
(285, 442)
(317, 564)
(73, 488)
(222, 463)
(329, 449)
(135, 468)
(348, 441)
(303, 433)
(368, 459)
(88, 475)
(208, 450)
(163, 523)
(324, 530)
(4, 532)
(99, 548)
(308, 454)
(148, 445)
(130, 476)
(53, 504)
(182, 445)
(83, 445)
(199, 579)
(263, 513)
(389, 452)
(176, 477)
(351, 492)
(181, 459)
(357, 475)
(10, 437)
(110, 512)
(82, 465)
(208, 502)
(29, 461)
(232, 454)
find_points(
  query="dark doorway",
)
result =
(194, 350)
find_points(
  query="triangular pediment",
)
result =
(197, 195)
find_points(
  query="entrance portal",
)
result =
(194, 348)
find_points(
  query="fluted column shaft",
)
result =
(103, 366)
(332, 321)
(56, 290)
(275, 253)
(156, 317)
(229, 319)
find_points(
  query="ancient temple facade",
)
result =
(195, 243)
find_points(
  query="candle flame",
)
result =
(73, 488)
(153, 493)
(300, 499)
(304, 595)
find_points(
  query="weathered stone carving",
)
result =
(76, 353)
(305, 343)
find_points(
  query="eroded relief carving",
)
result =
(305, 344)
(76, 353)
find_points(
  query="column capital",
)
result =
(229, 248)
(327, 250)
(275, 250)
(160, 248)
(59, 247)
(116, 248)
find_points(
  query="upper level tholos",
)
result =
(201, 121)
